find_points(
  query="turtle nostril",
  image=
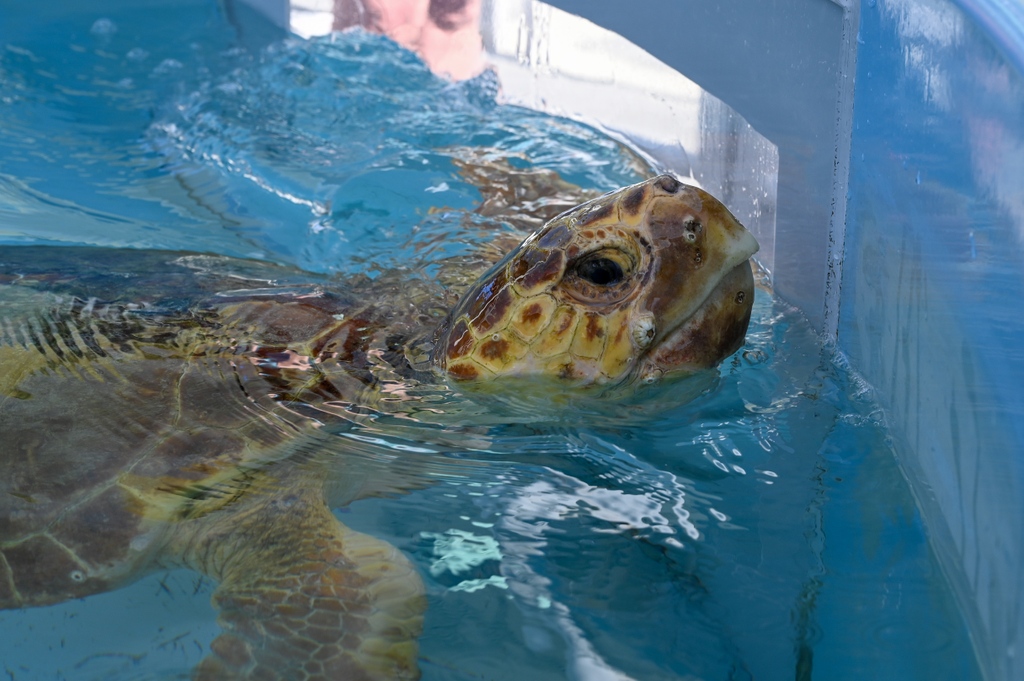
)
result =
(669, 183)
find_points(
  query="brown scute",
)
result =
(463, 371)
(185, 455)
(460, 341)
(567, 321)
(347, 340)
(45, 570)
(276, 322)
(596, 214)
(485, 292)
(531, 258)
(102, 528)
(494, 312)
(556, 237)
(494, 349)
(633, 200)
(545, 271)
(593, 329)
(531, 314)
(668, 183)
(520, 265)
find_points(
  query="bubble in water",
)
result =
(103, 28)
(167, 66)
(230, 88)
(755, 356)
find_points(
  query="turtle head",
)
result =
(650, 279)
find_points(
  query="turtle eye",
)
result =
(607, 275)
(600, 271)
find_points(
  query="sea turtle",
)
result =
(145, 436)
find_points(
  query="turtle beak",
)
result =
(736, 245)
(714, 331)
(701, 287)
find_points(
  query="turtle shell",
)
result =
(118, 420)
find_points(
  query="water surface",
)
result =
(760, 530)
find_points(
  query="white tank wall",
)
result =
(933, 286)
(900, 231)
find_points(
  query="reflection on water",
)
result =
(749, 524)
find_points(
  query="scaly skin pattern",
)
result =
(649, 279)
(301, 597)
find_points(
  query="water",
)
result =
(761, 530)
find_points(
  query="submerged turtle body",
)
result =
(132, 445)
(135, 438)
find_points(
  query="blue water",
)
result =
(760, 531)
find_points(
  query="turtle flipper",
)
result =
(302, 597)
